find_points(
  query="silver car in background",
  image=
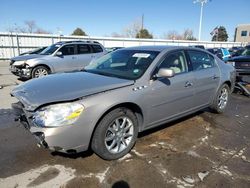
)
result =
(120, 94)
(60, 57)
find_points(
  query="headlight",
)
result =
(26, 66)
(58, 114)
(18, 63)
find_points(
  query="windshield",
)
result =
(126, 64)
(246, 52)
(50, 49)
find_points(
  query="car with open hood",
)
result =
(127, 91)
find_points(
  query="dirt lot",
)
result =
(201, 150)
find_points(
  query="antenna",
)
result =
(202, 2)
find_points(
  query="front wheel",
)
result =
(221, 100)
(116, 134)
(40, 71)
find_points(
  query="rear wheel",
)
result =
(40, 71)
(116, 134)
(221, 100)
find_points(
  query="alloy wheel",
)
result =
(119, 135)
(223, 98)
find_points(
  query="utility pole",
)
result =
(142, 25)
(142, 22)
(202, 2)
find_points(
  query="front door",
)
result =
(67, 62)
(170, 97)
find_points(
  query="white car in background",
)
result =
(60, 57)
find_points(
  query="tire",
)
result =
(221, 99)
(39, 71)
(110, 141)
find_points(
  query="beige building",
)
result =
(242, 33)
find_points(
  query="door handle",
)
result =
(188, 84)
(215, 77)
(73, 57)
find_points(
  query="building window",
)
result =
(243, 33)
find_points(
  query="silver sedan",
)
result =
(124, 92)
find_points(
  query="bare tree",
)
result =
(132, 29)
(117, 35)
(31, 25)
(188, 35)
(41, 31)
(173, 35)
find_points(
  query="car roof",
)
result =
(77, 41)
(160, 48)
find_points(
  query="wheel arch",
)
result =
(229, 84)
(43, 65)
(129, 105)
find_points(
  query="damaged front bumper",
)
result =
(21, 71)
(55, 139)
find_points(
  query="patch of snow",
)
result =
(202, 175)
(137, 153)
(101, 176)
(128, 156)
(207, 129)
(162, 143)
(180, 183)
(224, 170)
(193, 154)
(188, 179)
(153, 145)
(204, 139)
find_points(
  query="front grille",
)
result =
(242, 65)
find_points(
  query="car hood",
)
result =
(241, 58)
(26, 57)
(64, 87)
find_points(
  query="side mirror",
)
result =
(59, 54)
(165, 73)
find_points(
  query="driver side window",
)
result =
(175, 61)
(68, 50)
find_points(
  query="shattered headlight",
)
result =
(58, 114)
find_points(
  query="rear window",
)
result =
(83, 49)
(97, 48)
(201, 60)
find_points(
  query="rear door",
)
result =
(84, 55)
(206, 76)
(97, 51)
